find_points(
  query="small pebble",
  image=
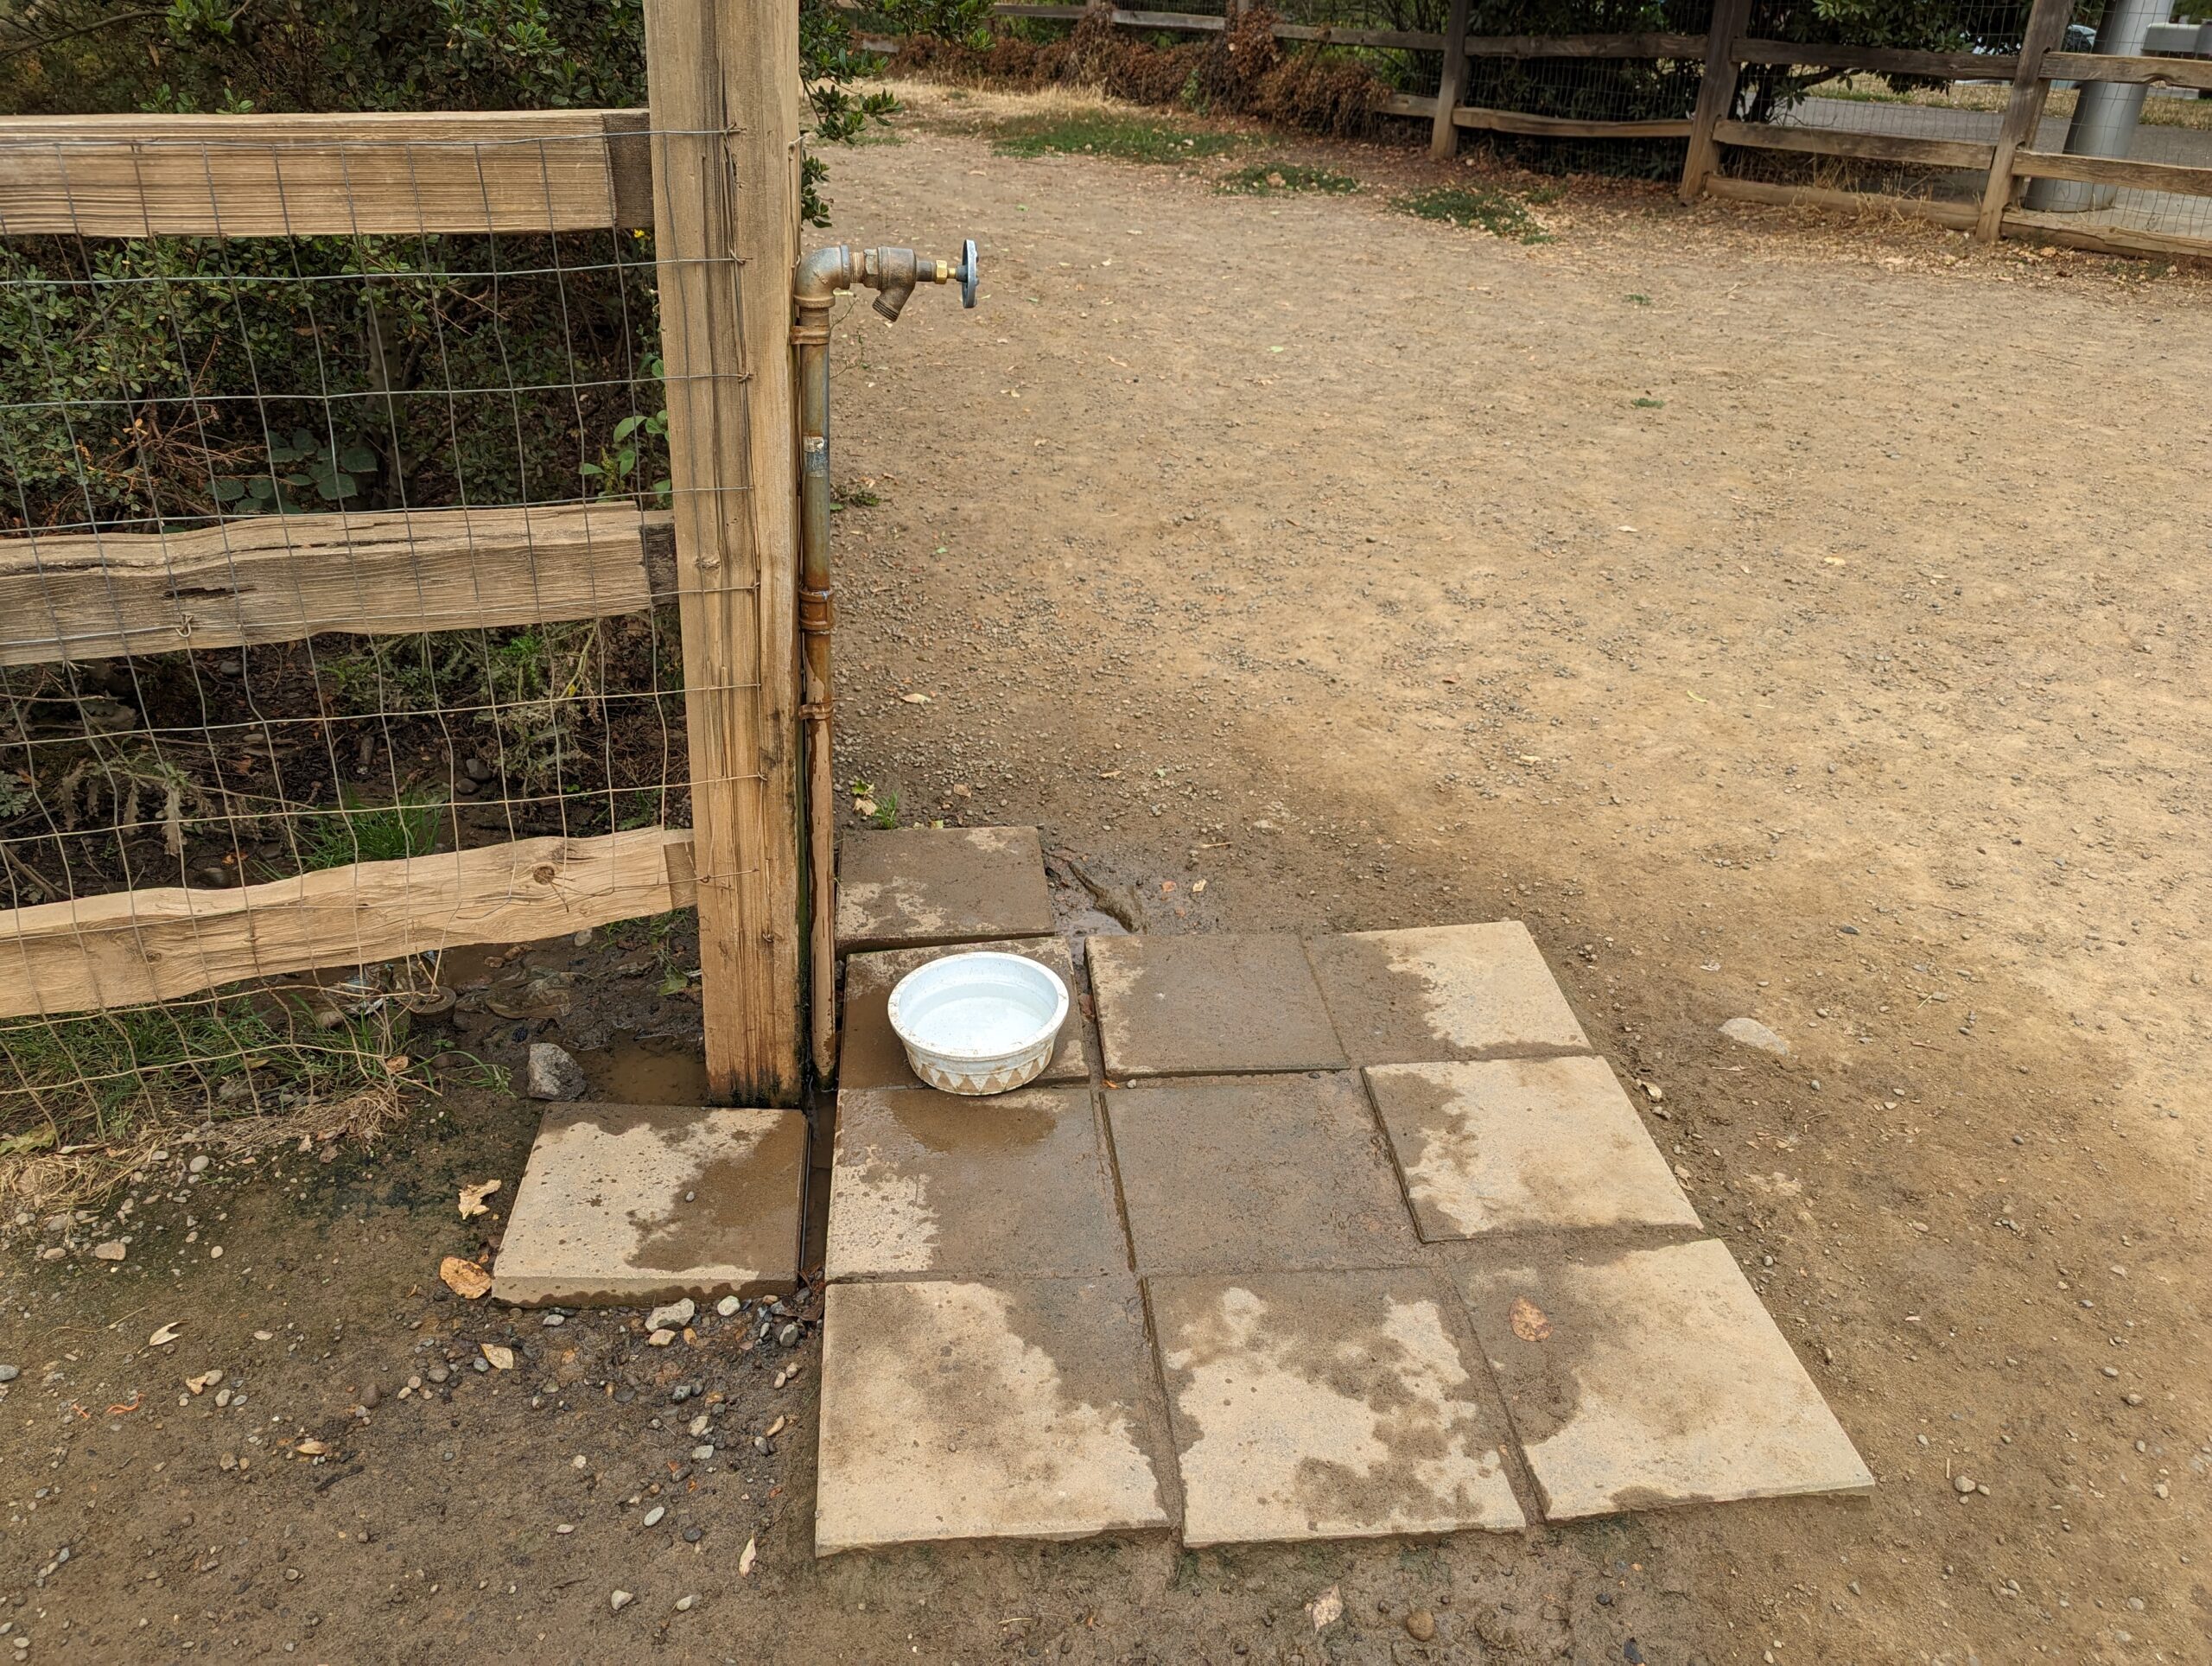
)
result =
(1962, 1484)
(727, 1306)
(653, 1516)
(660, 1338)
(685, 1605)
(1420, 1626)
(620, 1600)
(112, 1250)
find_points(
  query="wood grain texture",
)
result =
(277, 578)
(2157, 72)
(322, 175)
(134, 947)
(1878, 61)
(1716, 95)
(1564, 127)
(2108, 239)
(1874, 146)
(1451, 79)
(724, 81)
(2114, 170)
(2046, 32)
(1959, 216)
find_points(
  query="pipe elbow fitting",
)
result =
(822, 274)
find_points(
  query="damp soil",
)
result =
(1852, 686)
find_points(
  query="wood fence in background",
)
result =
(2007, 162)
(713, 170)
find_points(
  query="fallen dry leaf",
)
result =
(746, 1558)
(163, 1337)
(501, 1358)
(312, 1449)
(1327, 1609)
(1530, 1323)
(915, 699)
(465, 1278)
(472, 1198)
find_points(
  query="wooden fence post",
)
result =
(1716, 93)
(723, 83)
(1451, 79)
(2046, 29)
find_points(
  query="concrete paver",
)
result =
(1654, 1377)
(1522, 1145)
(869, 1052)
(1326, 1405)
(1012, 1187)
(1441, 992)
(1235, 1175)
(964, 1411)
(914, 885)
(631, 1205)
(1210, 1004)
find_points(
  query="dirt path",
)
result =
(1326, 556)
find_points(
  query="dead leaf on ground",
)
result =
(465, 1278)
(163, 1337)
(501, 1358)
(472, 1198)
(1327, 1609)
(915, 699)
(1530, 1323)
(746, 1558)
(312, 1449)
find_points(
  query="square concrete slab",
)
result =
(1522, 1145)
(1326, 1406)
(631, 1205)
(1015, 1186)
(1266, 1172)
(923, 885)
(986, 1410)
(1442, 992)
(869, 1052)
(1208, 1005)
(1654, 1377)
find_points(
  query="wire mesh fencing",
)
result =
(335, 580)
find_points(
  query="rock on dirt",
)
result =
(674, 1316)
(112, 1250)
(1751, 1033)
(9, 1373)
(553, 1074)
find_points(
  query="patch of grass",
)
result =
(1270, 179)
(389, 833)
(64, 1082)
(1639, 300)
(1649, 404)
(1106, 133)
(1499, 213)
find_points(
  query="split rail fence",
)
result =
(711, 171)
(1963, 158)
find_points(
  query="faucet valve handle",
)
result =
(965, 273)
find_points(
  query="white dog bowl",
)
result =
(979, 1023)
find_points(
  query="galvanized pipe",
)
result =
(2106, 113)
(815, 282)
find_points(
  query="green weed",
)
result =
(357, 833)
(1649, 404)
(1271, 179)
(1105, 133)
(1499, 213)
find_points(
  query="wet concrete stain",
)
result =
(1209, 1005)
(1522, 1145)
(1250, 1172)
(1326, 1405)
(1443, 992)
(1657, 1377)
(1015, 1186)
(918, 885)
(633, 1203)
(958, 1410)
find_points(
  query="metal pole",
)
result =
(2105, 112)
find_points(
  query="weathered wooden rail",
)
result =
(712, 170)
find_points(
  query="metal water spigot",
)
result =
(892, 273)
